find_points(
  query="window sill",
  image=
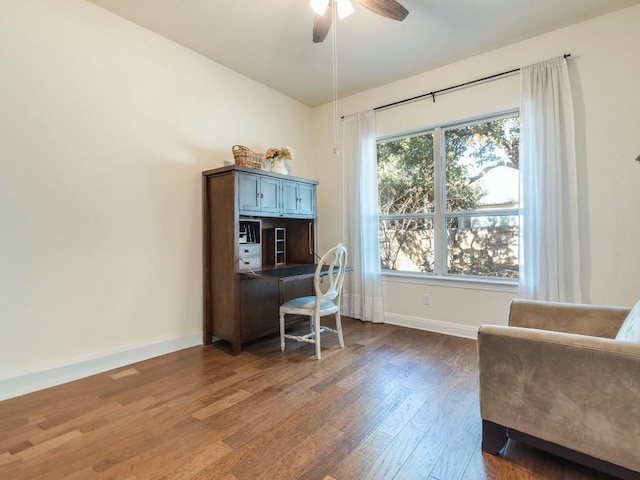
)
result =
(487, 284)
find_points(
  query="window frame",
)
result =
(440, 214)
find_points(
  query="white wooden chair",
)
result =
(326, 301)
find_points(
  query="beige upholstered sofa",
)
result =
(564, 378)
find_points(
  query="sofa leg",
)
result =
(494, 437)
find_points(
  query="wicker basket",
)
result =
(245, 157)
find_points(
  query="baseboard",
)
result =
(31, 382)
(437, 326)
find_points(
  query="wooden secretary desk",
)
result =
(253, 221)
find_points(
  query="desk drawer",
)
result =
(249, 250)
(246, 263)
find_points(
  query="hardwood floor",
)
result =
(395, 404)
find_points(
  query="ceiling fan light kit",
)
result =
(322, 23)
(345, 8)
(319, 6)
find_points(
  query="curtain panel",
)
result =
(362, 288)
(550, 254)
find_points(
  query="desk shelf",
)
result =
(276, 246)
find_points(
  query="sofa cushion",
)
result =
(630, 329)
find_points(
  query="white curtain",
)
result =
(362, 288)
(550, 255)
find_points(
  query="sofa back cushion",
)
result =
(630, 329)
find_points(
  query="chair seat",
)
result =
(307, 305)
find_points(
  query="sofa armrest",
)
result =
(593, 320)
(573, 390)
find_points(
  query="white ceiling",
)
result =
(270, 40)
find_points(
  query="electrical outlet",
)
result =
(426, 299)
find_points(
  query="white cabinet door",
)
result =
(270, 195)
(290, 197)
(307, 202)
(248, 192)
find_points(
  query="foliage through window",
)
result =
(448, 199)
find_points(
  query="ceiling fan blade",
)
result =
(387, 8)
(321, 26)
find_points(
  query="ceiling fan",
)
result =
(322, 24)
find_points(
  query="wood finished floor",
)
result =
(395, 404)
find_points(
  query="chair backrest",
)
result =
(331, 267)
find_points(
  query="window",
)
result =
(448, 199)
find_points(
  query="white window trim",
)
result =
(439, 232)
(489, 284)
(439, 277)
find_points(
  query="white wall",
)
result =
(605, 69)
(105, 129)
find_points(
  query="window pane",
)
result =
(483, 245)
(482, 165)
(405, 175)
(407, 244)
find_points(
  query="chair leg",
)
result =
(339, 329)
(282, 331)
(316, 320)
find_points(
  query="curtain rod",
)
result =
(436, 92)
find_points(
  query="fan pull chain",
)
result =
(334, 56)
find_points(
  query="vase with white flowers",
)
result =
(277, 157)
